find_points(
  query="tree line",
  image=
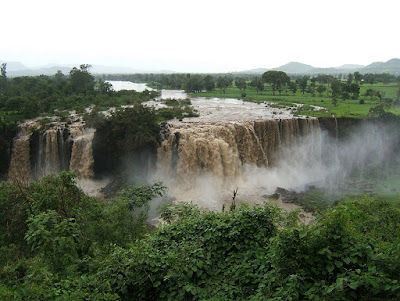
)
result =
(177, 80)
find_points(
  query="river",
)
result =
(213, 109)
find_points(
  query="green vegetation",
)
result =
(178, 109)
(319, 105)
(59, 244)
(351, 95)
(126, 135)
(28, 97)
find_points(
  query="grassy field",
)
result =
(347, 108)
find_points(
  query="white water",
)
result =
(212, 109)
(234, 110)
(119, 85)
(176, 94)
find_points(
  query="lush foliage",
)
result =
(130, 132)
(320, 99)
(277, 80)
(178, 109)
(60, 244)
(28, 97)
(51, 233)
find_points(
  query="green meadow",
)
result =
(317, 105)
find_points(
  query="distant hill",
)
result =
(350, 66)
(295, 67)
(14, 66)
(38, 71)
(391, 66)
(254, 71)
(18, 69)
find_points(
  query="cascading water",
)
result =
(39, 151)
(20, 167)
(82, 153)
(223, 148)
(220, 155)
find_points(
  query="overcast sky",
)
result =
(199, 36)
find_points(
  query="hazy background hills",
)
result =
(392, 66)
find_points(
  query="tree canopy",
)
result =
(277, 79)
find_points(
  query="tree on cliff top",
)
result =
(81, 80)
(126, 133)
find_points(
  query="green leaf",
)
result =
(372, 269)
(330, 289)
(330, 268)
(354, 285)
(302, 233)
(338, 263)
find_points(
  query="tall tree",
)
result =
(350, 78)
(321, 89)
(105, 87)
(293, 87)
(59, 76)
(370, 78)
(81, 80)
(336, 88)
(258, 84)
(3, 77)
(224, 82)
(357, 77)
(302, 82)
(193, 83)
(276, 79)
(241, 84)
(3, 69)
(209, 83)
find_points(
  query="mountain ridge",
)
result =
(391, 66)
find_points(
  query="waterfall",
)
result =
(217, 153)
(20, 168)
(82, 154)
(42, 150)
(222, 149)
